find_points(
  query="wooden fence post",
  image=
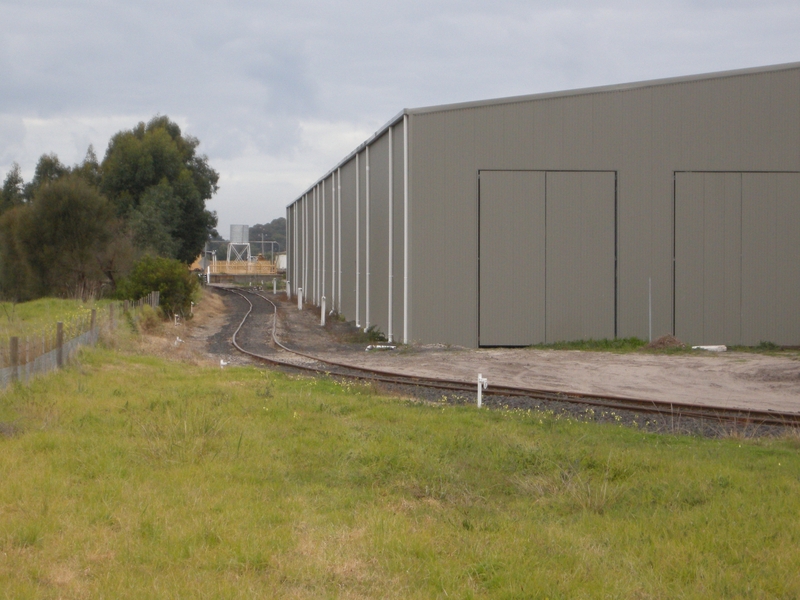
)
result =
(14, 358)
(59, 344)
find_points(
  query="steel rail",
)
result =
(610, 402)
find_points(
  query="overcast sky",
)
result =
(278, 92)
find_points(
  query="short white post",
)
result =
(322, 312)
(274, 286)
(483, 383)
(288, 289)
(299, 298)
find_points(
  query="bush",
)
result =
(169, 277)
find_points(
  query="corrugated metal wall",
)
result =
(340, 235)
(379, 234)
(655, 137)
(740, 122)
(348, 175)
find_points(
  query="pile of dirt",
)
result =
(665, 341)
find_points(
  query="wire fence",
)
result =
(52, 347)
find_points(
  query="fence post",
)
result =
(59, 344)
(14, 358)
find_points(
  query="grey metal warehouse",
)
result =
(669, 205)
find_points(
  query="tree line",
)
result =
(79, 230)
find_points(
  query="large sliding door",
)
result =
(547, 256)
(737, 257)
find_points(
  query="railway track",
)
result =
(290, 358)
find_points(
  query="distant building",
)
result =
(558, 216)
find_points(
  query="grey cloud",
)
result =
(12, 136)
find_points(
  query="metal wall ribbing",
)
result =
(674, 150)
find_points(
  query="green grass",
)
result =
(136, 477)
(28, 318)
(614, 345)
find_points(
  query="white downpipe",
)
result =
(366, 232)
(358, 244)
(483, 383)
(333, 241)
(391, 235)
(310, 292)
(405, 229)
(323, 240)
(339, 237)
(315, 295)
(318, 231)
(294, 256)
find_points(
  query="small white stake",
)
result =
(299, 298)
(483, 383)
(322, 312)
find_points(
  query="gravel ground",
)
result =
(343, 342)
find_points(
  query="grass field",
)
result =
(130, 476)
(31, 318)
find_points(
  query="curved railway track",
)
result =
(317, 365)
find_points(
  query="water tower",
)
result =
(239, 245)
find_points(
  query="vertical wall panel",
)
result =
(512, 258)
(580, 256)
(397, 156)
(689, 258)
(379, 227)
(361, 283)
(348, 173)
(787, 295)
(708, 258)
(759, 248)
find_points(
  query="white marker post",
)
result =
(274, 286)
(483, 383)
(299, 298)
(322, 312)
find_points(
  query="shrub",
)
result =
(169, 277)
